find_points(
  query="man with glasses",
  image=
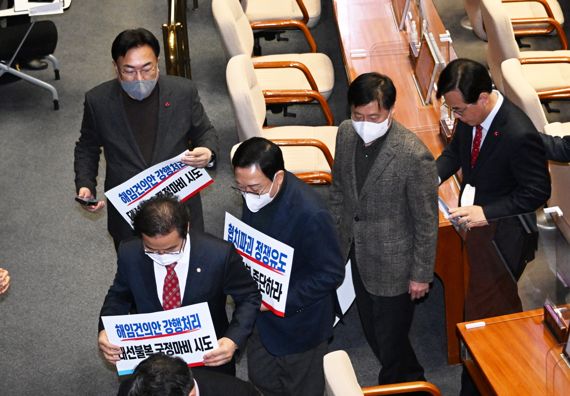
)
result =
(504, 174)
(285, 354)
(171, 265)
(384, 201)
(140, 119)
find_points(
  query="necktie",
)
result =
(171, 289)
(476, 145)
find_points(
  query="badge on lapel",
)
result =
(496, 133)
(167, 104)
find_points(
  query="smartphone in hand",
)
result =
(87, 202)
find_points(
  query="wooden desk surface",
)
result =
(370, 41)
(511, 353)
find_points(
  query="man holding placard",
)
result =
(285, 353)
(140, 119)
(170, 266)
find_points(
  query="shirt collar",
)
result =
(486, 124)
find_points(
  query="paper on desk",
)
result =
(468, 195)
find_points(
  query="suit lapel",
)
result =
(165, 105)
(193, 278)
(491, 141)
(123, 126)
(387, 152)
(150, 281)
(351, 142)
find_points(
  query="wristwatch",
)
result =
(212, 162)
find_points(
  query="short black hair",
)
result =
(467, 76)
(162, 375)
(261, 152)
(372, 86)
(160, 215)
(132, 38)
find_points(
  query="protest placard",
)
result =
(187, 332)
(170, 176)
(269, 261)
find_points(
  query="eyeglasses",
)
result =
(160, 252)
(257, 194)
(456, 110)
(146, 72)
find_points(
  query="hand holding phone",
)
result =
(87, 201)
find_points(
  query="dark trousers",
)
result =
(386, 322)
(289, 375)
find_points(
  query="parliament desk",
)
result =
(514, 355)
(371, 41)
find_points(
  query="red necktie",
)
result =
(171, 289)
(476, 145)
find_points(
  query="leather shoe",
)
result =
(35, 64)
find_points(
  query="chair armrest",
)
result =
(299, 96)
(404, 387)
(307, 142)
(287, 24)
(304, 11)
(289, 64)
(544, 4)
(546, 59)
(317, 177)
(555, 25)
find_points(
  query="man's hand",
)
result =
(198, 158)
(418, 290)
(470, 216)
(222, 354)
(4, 280)
(110, 352)
(85, 193)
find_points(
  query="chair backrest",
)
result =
(501, 43)
(521, 93)
(234, 27)
(41, 40)
(246, 97)
(340, 379)
(473, 10)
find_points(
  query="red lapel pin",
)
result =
(166, 104)
(496, 133)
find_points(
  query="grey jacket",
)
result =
(393, 223)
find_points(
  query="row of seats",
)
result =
(254, 83)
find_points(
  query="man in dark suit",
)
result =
(139, 120)
(285, 354)
(200, 267)
(384, 201)
(162, 375)
(504, 174)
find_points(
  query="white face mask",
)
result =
(256, 202)
(370, 131)
(139, 89)
(169, 258)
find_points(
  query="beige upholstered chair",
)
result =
(530, 17)
(340, 380)
(306, 71)
(307, 11)
(521, 93)
(308, 151)
(547, 71)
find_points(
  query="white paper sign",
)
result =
(169, 176)
(187, 332)
(345, 292)
(269, 261)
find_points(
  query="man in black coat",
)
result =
(140, 120)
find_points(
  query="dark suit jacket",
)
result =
(210, 384)
(302, 221)
(511, 178)
(182, 123)
(393, 221)
(557, 148)
(222, 273)
(511, 174)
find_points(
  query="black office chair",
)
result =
(20, 44)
